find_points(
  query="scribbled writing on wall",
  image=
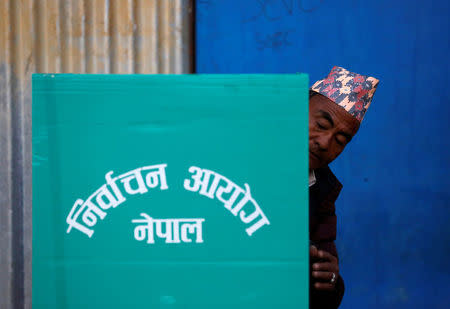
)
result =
(272, 10)
(276, 40)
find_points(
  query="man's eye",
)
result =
(341, 141)
(321, 126)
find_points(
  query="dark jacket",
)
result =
(322, 231)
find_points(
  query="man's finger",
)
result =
(313, 252)
(326, 255)
(324, 286)
(328, 266)
(325, 276)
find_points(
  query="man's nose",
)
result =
(324, 141)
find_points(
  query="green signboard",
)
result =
(170, 191)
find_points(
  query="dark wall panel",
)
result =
(393, 213)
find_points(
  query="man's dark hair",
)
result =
(312, 93)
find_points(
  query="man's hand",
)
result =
(324, 265)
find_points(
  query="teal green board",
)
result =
(170, 191)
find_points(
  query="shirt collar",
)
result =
(312, 178)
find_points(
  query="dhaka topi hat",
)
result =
(351, 91)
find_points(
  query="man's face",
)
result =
(330, 129)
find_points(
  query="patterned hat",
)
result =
(351, 91)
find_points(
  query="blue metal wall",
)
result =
(394, 211)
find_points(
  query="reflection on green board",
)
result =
(170, 191)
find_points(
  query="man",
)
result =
(336, 108)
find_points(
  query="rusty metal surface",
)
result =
(68, 36)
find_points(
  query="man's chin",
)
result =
(313, 166)
(314, 162)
